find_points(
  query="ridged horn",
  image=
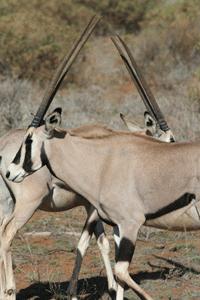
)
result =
(139, 81)
(62, 70)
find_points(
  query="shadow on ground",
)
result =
(88, 289)
(95, 288)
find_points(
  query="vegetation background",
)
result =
(164, 36)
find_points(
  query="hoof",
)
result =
(72, 291)
(72, 298)
(112, 293)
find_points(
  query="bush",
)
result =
(34, 35)
(124, 15)
(17, 98)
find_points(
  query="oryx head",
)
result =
(29, 159)
(151, 128)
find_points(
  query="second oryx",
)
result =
(132, 180)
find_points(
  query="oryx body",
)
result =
(18, 202)
(48, 193)
(129, 178)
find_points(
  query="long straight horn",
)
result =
(142, 87)
(62, 70)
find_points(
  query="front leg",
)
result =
(82, 247)
(104, 247)
(92, 225)
(22, 213)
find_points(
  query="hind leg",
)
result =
(128, 236)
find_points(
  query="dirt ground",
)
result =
(165, 263)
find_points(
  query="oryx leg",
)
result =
(116, 234)
(104, 246)
(128, 236)
(2, 271)
(22, 213)
(92, 225)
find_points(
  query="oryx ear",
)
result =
(52, 121)
(149, 122)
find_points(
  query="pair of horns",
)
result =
(131, 66)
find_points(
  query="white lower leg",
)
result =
(120, 292)
(121, 271)
(104, 247)
(2, 279)
(80, 252)
(10, 281)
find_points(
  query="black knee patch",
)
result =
(92, 227)
(126, 250)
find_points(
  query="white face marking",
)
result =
(27, 159)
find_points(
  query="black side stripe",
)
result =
(177, 204)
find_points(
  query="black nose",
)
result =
(7, 174)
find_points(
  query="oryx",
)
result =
(42, 190)
(130, 179)
(45, 192)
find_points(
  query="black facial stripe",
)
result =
(126, 250)
(16, 160)
(0, 159)
(177, 204)
(27, 164)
